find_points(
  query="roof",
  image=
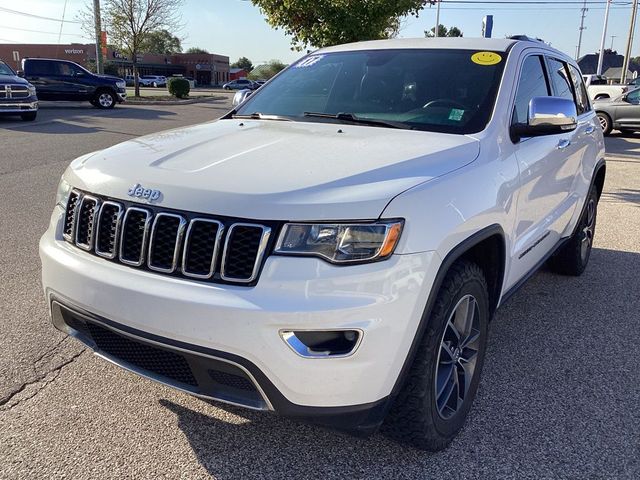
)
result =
(465, 43)
(236, 70)
(589, 63)
(616, 72)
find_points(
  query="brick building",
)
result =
(205, 69)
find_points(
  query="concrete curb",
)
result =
(172, 102)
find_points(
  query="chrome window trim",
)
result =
(264, 239)
(176, 248)
(86, 246)
(216, 247)
(144, 236)
(72, 235)
(99, 252)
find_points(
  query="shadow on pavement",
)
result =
(630, 195)
(78, 119)
(558, 398)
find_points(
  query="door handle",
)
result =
(564, 143)
(589, 130)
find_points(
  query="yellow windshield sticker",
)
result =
(486, 58)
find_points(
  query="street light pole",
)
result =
(98, 28)
(604, 38)
(437, 31)
(627, 55)
(581, 29)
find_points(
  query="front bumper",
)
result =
(242, 325)
(25, 105)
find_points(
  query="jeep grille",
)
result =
(167, 241)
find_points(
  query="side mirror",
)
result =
(79, 73)
(20, 73)
(547, 116)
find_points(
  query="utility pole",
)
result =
(604, 38)
(612, 37)
(98, 28)
(437, 32)
(627, 55)
(582, 27)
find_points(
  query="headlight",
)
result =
(62, 195)
(121, 84)
(340, 242)
(32, 90)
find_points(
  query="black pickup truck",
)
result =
(17, 96)
(65, 80)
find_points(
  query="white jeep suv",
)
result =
(334, 248)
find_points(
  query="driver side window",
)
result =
(634, 97)
(532, 83)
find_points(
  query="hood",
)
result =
(259, 169)
(110, 77)
(13, 79)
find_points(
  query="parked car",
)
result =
(634, 83)
(17, 96)
(598, 87)
(621, 113)
(334, 248)
(154, 81)
(240, 84)
(130, 80)
(65, 80)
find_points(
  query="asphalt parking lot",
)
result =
(559, 397)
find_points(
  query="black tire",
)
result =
(572, 258)
(420, 416)
(104, 99)
(605, 123)
(29, 117)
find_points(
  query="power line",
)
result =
(31, 15)
(39, 31)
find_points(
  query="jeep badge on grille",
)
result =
(139, 191)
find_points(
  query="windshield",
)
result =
(450, 91)
(5, 69)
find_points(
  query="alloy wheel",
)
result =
(457, 357)
(105, 100)
(588, 230)
(604, 123)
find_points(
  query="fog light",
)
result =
(322, 343)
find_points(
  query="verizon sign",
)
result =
(74, 51)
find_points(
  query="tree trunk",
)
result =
(136, 84)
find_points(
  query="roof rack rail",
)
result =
(525, 38)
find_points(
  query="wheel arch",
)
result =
(485, 247)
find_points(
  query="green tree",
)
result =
(267, 70)
(244, 63)
(196, 50)
(443, 32)
(130, 22)
(321, 23)
(162, 42)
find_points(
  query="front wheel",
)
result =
(434, 402)
(29, 117)
(105, 100)
(605, 123)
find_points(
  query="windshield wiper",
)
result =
(351, 118)
(261, 116)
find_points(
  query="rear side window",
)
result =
(560, 79)
(532, 83)
(582, 99)
(44, 67)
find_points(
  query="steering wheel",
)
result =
(444, 102)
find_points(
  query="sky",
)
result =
(237, 28)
